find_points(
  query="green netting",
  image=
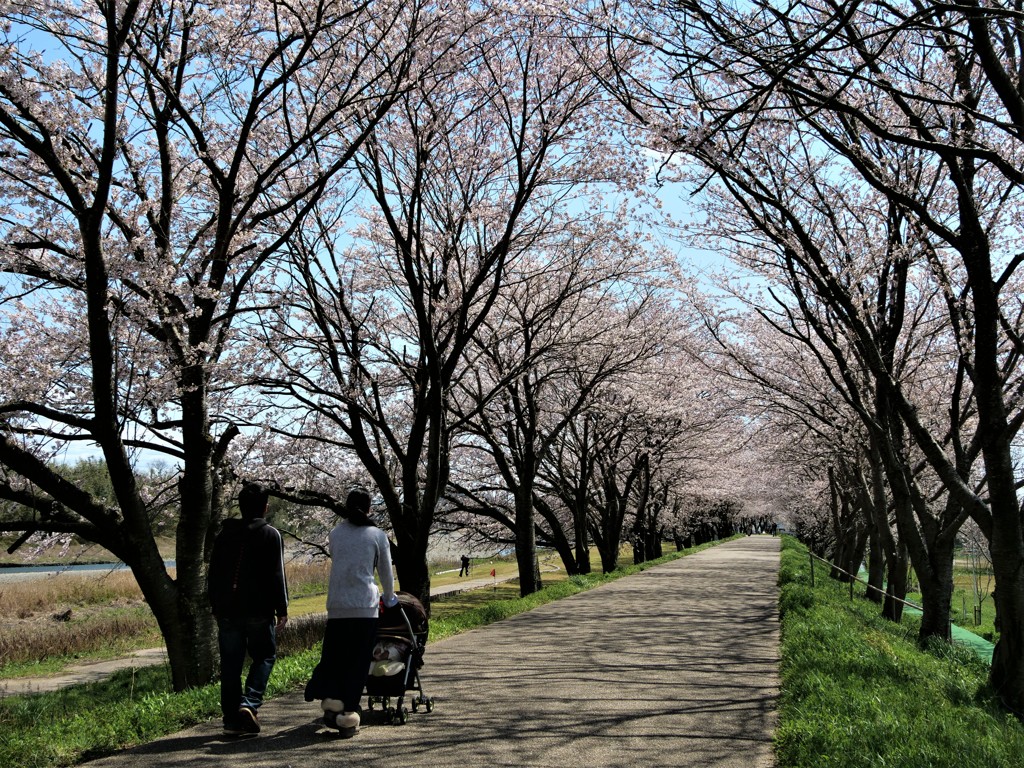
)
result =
(979, 645)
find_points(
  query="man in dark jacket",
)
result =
(249, 597)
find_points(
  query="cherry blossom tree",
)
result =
(870, 82)
(642, 435)
(572, 317)
(154, 157)
(473, 169)
(809, 332)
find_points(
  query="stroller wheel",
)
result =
(401, 715)
(430, 704)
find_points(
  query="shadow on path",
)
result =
(676, 666)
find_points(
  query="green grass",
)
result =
(84, 722)
(858, 692)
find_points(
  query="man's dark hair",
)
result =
(252, 500)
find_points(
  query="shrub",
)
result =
(301, 633)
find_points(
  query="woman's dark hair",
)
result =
(357, 508)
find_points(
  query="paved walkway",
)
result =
(676, 666)
(77, 674)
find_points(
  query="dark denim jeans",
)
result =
(239, 637)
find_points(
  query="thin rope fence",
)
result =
(855, 578)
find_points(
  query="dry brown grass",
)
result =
(306, 578)
(108, 615)
(301, 633)
(50, 594)
(107, 635)
(71, 614)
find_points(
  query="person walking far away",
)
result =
(357, 547)
(249, 596)
(464, 570)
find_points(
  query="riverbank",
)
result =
(75, 617)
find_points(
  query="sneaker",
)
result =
(233, 727)
(247, 720)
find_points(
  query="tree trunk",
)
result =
(191, 643)
(1007, 672)
(410, 560)
(526, 539)
(579, 506)
(937, 592)
(896, 591)
(559, 539)
(639, 553)
(678, 540)
(876, 568)
(582, 546)
(192, 625)
(608, 537)
(609, 558)
(653, 541)
(838, 516)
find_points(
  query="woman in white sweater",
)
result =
(358, 548)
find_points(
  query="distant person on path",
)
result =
(249, 596)
(464, 571)
(358, 547)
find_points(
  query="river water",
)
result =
(25, 572)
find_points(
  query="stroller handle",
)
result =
(405, 619)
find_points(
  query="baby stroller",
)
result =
(397, 659)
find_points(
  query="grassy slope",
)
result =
(857, 691)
